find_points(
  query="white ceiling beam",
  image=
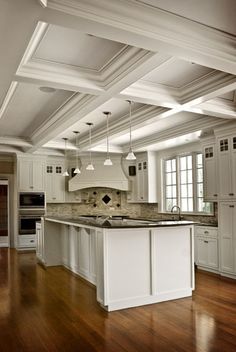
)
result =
(140, 117)
(148, 27)
(15, 141)
(176, 131)
(81, 105)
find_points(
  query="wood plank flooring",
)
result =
(53, 310)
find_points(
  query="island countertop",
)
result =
(117, 222)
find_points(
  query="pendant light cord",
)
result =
(90, 142)
(130, 122)
(107, 137)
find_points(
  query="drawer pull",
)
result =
(31, 241)
(205, 241)
(206, 232)
(231, 194)
(215, 195)
(231, 206)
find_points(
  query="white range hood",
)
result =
(102, 176)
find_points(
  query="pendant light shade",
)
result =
(77, 169)
(65, 173)
(107, 161)
(131, 155)
(90, 166)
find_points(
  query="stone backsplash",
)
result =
(104, 201)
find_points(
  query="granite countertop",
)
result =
(117, 222)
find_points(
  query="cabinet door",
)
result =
(93, 257)
(202, 249)
(224, 168)
(25, 181)
(55, 184)
(38, 175)
(84, 251)
(226, 215)
(212, 253)
(210, 175)
(233, 167)
(142, 181)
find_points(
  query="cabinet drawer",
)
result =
(206, 231)
(27, 241)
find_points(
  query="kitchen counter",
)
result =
(117, 222)
(131, 262)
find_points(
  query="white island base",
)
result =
(129, 266)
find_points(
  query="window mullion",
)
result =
(178, 181)
(194, 167)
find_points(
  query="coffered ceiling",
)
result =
(66, 63)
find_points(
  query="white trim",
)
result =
(169, 30)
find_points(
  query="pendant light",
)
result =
(90, 166)
(65, 173)
(131, 155)
(77, 169)
(108, 161)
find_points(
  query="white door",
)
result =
(25, 175)
(226, 214)
(224, 167)
(202, 249)
(212, 253)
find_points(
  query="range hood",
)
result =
(102, 176)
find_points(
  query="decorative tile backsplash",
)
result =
(105, 201)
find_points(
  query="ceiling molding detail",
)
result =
(163, 26)
(140, 117)
(189, 127)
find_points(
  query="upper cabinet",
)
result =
(55, 182)
(142, 174)
(210, 171)
(226, 150)
(31, 173)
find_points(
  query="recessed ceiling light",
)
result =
(47, 89)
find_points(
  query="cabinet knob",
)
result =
(31, 187)
(231, 194)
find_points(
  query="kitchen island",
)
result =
(131, 262)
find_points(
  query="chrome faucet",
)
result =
(178, 209)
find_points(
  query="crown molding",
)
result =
(180, 130)
(170, 30)
(8, 98)
(15, 141)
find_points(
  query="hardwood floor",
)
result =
(53, 310)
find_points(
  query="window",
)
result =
(183, 184)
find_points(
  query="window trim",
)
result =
(194, 168)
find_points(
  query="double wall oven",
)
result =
(31, 208)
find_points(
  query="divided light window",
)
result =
(183, 184)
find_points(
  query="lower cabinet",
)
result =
(79, 251)
(206, 243)
(227, 232)
(26, 242)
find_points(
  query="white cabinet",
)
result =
(210, 172)
(79, 251)
(87, 254)
(144, 183)
(55, 182)
(31, 173)
(39, 242)
(226, 150)
(207, 248)
(227, 232)
(26, 242)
